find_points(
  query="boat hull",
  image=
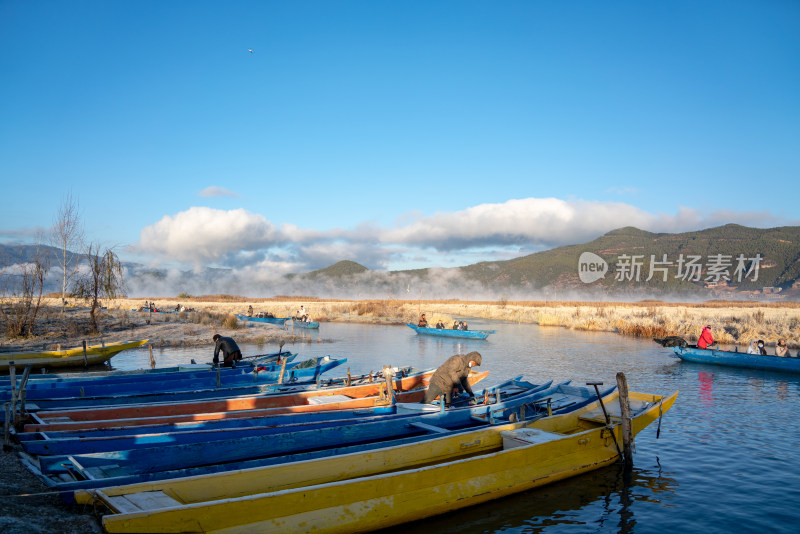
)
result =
(738, 359)
(447, 332)
(265, 320)
(73, 357)
(382, 488)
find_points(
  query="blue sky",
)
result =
(395, 134)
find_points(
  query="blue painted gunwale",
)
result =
(738, 359)
(270, 320)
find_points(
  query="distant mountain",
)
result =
(729, 261)
(716, 251)
(338, 270)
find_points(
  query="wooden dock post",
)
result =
(152, 360)
(85, 358)
(283, 369)
(625, 410)
(388, 374)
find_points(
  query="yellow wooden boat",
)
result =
(366, 491)
(74, 357)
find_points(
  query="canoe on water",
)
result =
(73, 357)
(366, 491)
(448, 332)
(305, 324)
(288, 399)
(738, 359)
(266, 320)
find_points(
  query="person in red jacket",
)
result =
(706, 338)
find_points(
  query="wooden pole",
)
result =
(218, 379)
(12, 375)
(152, 360)
(388, 374)
(625, 410)
(283, 369)
(7, 434)
(85, 358)
(348, 378)
(605, 413)
(22, 385)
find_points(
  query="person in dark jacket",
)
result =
(228, 347)
(452, 373)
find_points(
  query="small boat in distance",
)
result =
(73, 357)
(737, 359)
(449, 332)
(305, 324)
(271, 320)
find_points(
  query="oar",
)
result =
(605, 413)
(280, 351)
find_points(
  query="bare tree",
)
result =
(104, 279)
(67, 233)
(19, 315)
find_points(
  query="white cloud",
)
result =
(240, 239)
(206, 235)
(214, 191)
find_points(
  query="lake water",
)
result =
(727, 460)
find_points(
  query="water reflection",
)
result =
(601, 501)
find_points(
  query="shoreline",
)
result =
(30, 506)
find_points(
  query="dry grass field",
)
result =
(734, 323)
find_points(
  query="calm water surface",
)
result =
(727, 460)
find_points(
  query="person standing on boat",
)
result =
(451, 374)
(423, 322)
(229, 348)
(706, 338)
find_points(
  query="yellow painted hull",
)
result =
(95, 354)
(367, 491)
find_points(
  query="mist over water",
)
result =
(727, 458)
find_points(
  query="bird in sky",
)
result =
(250, 50)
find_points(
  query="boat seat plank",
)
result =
(597, 416)
(429, 428)
(328, 399)
(148, 500)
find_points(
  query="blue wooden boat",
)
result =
(249, 384)
(178, 372)
(305, 324)
(512, 394)
(247, 374)
(149, 463)
(738, 359)
(448, 332)
(266, 320)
